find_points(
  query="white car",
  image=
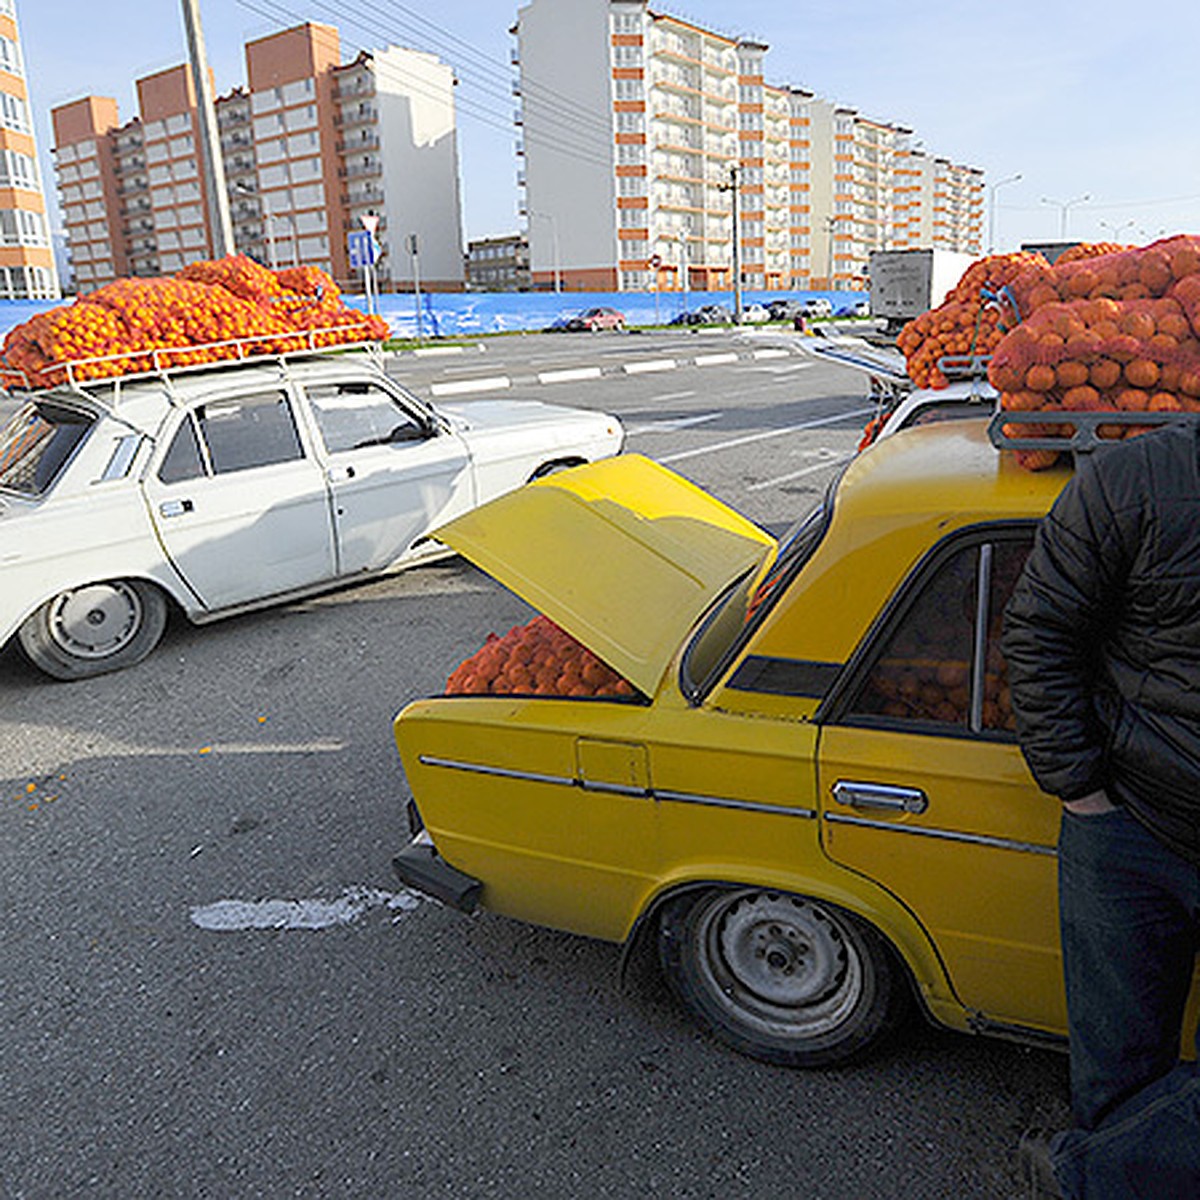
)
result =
(223, 489)
(818, 306)
(755, 314)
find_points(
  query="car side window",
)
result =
(182, 460)
(249, 431)
(939, 669)
(352, 415)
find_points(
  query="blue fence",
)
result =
(457, 314)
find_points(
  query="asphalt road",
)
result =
(212, 986)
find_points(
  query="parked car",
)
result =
(818, 306)
(594, 319)
(755, 314)
(861, 309)
(813, 804)
(785, 309)
(713, 314)
(221, 489)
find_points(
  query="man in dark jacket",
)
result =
(1102, 640)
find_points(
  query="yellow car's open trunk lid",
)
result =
(623, 554)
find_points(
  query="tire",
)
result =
(95, 628)
(779, 977)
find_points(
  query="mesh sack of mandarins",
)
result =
(536, 659)
(1082, 250)
(175, 321)
(1097, 355)
(970, 321)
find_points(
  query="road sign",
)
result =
(364, 250)
(656, 261)
(370, 222)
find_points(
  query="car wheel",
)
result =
(96, 628)
(779, 977)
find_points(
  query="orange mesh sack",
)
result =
(208, 302)
(536, 659)
(1084, 250)
(1097, 355)
(968, 322)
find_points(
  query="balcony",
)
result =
(369, 194)
(357, 88)
(361, 170)
(367, 140)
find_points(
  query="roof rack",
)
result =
(964, 366)
(1084, 428)
(154, 363)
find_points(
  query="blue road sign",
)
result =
(364, 249)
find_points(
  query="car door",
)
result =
(240, 506)
(394, 473)
(923, 787)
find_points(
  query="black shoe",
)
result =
(1033, 1159)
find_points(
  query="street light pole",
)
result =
(554, 242)
(734, 187)
(208, 137)
(1064, 206)
(1117, 230)
(992, 209)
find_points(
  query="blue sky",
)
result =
(1078, 99)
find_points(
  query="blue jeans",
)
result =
(1130, 917)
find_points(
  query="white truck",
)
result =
(906, 283)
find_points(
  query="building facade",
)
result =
(499, 264)
(27, 268)
(309, 146)
(635, 126)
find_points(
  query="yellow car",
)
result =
(814, 800)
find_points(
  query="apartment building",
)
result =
(27, 267)
(943, 205)
(633, 127)
(309, 146)
(499, 264)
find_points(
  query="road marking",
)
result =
(569, 375)
(671, 424)
(430, 351)
(717, 447)
(671, 396)
(830, 458)
(234, 916)
(651, 364)
(774, 353)
(713, 360)
(494, 383)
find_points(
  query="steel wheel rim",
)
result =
(779, 963)
(95, 621)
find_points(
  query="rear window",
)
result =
(36, 444)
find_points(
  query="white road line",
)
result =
(234, 916)
(671, 396)
(569, 375)
(775, 353)
(646, 365)
(829, 459)
(671, 424)
(717, 447)
(714, 360)
(431, 351)
(494, 383)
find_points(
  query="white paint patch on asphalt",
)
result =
(432, 351)
(765, 435)
(714, 360)
(774, 353)
(493, 383)
(671, 396)
(671, 424)
(828, 458)
(649, 364)
(569, 375)
(235, 916)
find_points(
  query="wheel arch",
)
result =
(904, 936)
(563, 463)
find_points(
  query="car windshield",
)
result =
(745, 603)
(36, 444)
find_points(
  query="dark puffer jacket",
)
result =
(1102, 636)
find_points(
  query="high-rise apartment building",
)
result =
(309, 147)
(634, 126)
(26, 256)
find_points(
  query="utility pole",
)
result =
(208, 137)
(414, 250)
(733, 186)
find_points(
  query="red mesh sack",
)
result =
(536, 659)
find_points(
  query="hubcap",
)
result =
(96, 621)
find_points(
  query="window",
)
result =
(939, 668)
(36, 444)
(352, 415)
(251, 431)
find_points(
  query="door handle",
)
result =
(880, 795)
(175, 508)
(338, 474)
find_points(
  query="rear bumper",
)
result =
(420, 867)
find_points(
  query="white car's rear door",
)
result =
(393, 474)
(240, 507)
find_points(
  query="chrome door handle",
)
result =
(880, 795)
(175, 508)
